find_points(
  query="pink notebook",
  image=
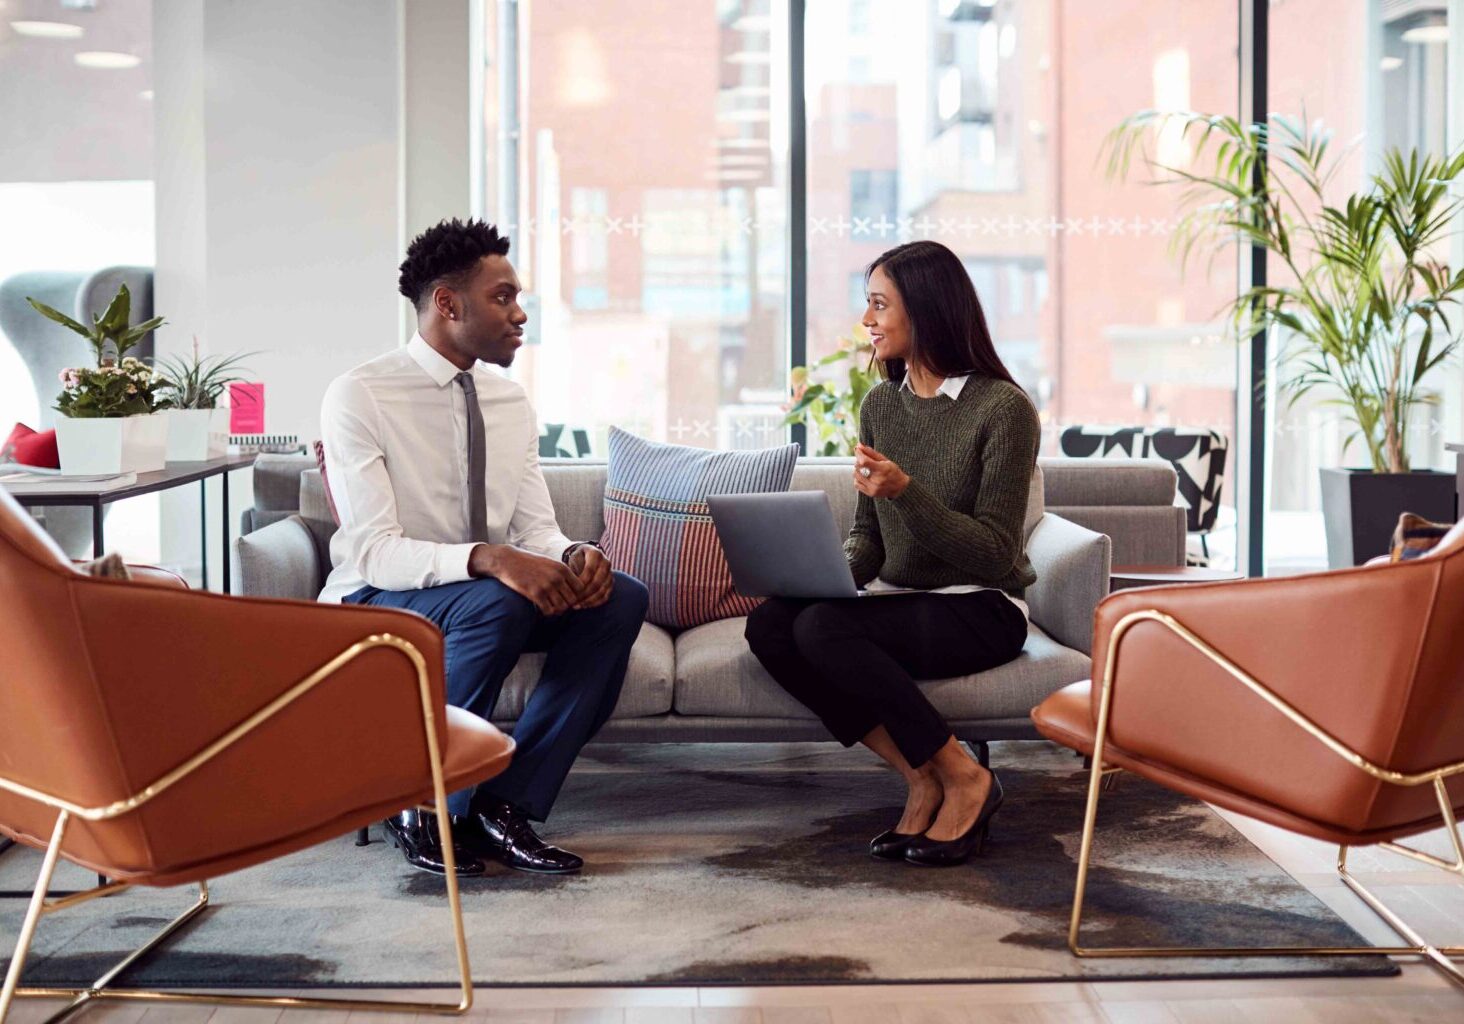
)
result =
(246, 408)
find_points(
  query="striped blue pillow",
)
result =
(658, 527)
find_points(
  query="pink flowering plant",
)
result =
(119, 384)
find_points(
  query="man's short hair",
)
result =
(444, 254)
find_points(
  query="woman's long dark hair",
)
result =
(948, 333)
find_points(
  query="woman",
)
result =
(948, 446)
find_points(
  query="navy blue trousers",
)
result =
(486, 627)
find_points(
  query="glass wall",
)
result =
(654, 192)
(652, 215)
(979, 125)
(75, 155)
(76, 195)
(1380, 83)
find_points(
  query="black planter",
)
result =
(1361, 509)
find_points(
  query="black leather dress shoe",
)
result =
(415, 834)
(938, 853)
(890, 845)
(501, 832)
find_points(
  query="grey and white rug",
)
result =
(732, 864)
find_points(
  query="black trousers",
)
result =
(854, 662)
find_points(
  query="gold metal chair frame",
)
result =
(101, 988)
(1442, 957)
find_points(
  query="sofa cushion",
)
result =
(717, 674)
(658, 527)
(647, 689)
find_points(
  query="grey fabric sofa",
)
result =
(703, 684)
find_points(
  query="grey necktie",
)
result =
(477, 463)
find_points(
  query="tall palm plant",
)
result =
(1364, 307)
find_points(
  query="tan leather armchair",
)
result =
(1331, 705)
(161, 736)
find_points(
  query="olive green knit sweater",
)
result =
(970, 462)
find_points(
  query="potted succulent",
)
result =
(109, 412)
(192, 387)
(828, 409)
(1361, 303)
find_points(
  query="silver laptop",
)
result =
(785, 545)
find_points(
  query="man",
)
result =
(433, 464)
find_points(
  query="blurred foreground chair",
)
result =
(1329, 705)
(161, 736)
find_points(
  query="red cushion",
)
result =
(31, 448)
(319, 447)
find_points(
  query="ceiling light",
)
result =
(47, 29)
(146, 94)
(1390, 63)
(109, 59)
(749, 90)
(749, 57)
(743, 143)
(736, 176)
(1424, 34)
(742, 159)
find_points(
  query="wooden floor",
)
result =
(1432, 900)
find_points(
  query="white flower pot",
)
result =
(120, 444)
(195, 434)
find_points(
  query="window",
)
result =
(76, 195)
(978, 123)
(987, 134)
(871, 199)
(651, 219)
(1382, 80)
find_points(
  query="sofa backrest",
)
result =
(1130, 501)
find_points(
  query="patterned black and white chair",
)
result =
(1197, 455)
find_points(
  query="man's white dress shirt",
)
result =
(396, 457)
(950, 388)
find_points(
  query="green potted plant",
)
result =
(829, 407)
(1360, 302)
(192, 386)
(110, 420)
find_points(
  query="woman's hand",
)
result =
(876, 475)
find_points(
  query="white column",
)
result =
(299, 145)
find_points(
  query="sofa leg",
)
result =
(363, 837)
(982, 750)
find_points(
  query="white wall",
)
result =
(282, 154)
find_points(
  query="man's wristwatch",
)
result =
(569, 551)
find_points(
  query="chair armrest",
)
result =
(279, 560)
(1338, 647)
(176, 670)
(1072, 566)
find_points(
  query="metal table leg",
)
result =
(203, 529)
(98, 542)
(224, 551)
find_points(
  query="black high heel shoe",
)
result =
(891, 845)
(936, 853)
